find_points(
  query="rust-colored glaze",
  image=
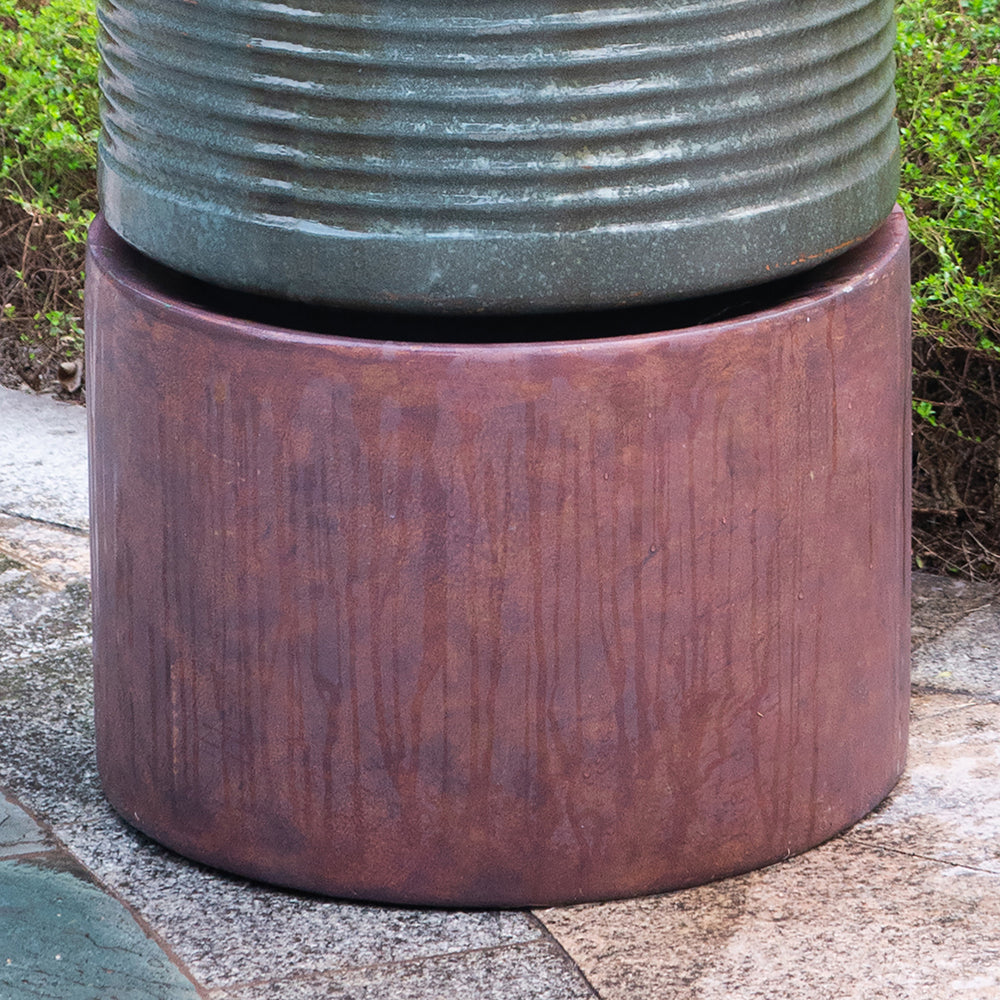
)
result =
(500, 624)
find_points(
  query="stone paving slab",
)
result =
(19, 833)
(947, 805)
(841, 922)
(537, 970)
(62, 937)
(231, 931)
(931, 704)
(46, 676)
(56, 557)
(43, 459)
(37, 618)
(938, 602)
(46, 695)
(965, 658)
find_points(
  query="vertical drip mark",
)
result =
(536, 470)
(562, 735)
(497, 486)
(602, 577)
(180, 629)
(559, 501)
(219, 660)
(619, 560)
(337, 472)
(802, 467)
(326, 662)
(351, 465)
(258, 549)
(577, 751)
(779, 661)
(643, 546)
(299, 484)
(834, 424)
(259, 686)
(382, 487)
(694, 645)
(158, 632)
(332, 666)
(542, 516)
(811, 450)
(870, 508)
(716, 677)
(481, 557)
(319, 608)
(664, 537)
(315, 629)
(219, 663)
(620, 566)
(433, 658)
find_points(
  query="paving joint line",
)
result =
(305, 977)
(569, 958)
(978, 698)
(59, 847)
(920, 857)
(957, 620)
(953, 708)
(70, 528)
(144, 925)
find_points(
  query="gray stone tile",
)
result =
(537, 970)
(938, 602)
(947, 805)
(963, 659)
(47, 741)
(842, 922)
(228, 930)
(37, 619)
(19, 833)
(46, 692)
(63, 938)
(55, 556)
(43, 458)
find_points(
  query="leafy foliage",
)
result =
(48, 133)
(948, 85)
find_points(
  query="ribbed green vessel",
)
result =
(498, 157)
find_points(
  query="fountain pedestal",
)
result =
(500, 624)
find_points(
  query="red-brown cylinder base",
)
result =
(500, 625)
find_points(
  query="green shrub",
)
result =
(948, 84)
(48, 119)
(48, 133)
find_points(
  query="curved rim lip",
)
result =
(863, 261)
